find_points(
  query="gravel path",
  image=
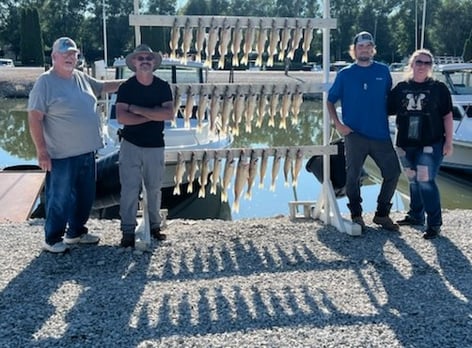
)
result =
(249, 283)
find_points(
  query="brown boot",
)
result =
(386, 223)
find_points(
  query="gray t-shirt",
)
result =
(71, 123)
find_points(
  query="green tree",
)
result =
(32, 52)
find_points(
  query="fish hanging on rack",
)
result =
(275, 168)
(226, 111)
(238, 110)
(214, 108)
(215, 175)
(250, 109)
(297, 167)
(307, 38)
(284, 112)
(177, 101)
(261, 107)
(225, 36)
(273, 106)
(253, 159)
(227, 175)
(261, 41)
(263, 167)
(174, 39)
(273, 41)
(188, 111)
(288, 167)
(236, 43)
(192, 172)
(211, 42)
(199, 40)
(202, 108)
(186, 41)
(179, 173)
(240, 180)
(248, 41)
(297, 100)
(205, 171)
(297, 36)
(285, 40)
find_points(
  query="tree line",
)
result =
(29, 26)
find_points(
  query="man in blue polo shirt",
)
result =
(362, 89)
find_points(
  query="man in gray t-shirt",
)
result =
(65, 129)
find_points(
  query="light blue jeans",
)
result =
(421, 166)
(69, 194)
(137, 165)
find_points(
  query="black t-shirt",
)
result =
(149, 134)
(420, 110)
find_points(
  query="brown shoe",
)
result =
(386, 223)
(156, 233)
(359, 220)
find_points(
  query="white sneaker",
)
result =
(57, 248)
(85, 238)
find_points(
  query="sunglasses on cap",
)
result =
(423, 62)
(143, 58)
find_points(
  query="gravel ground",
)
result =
(266, 282)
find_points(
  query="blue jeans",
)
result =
(357, 148)
(70, 192)
(421, 166)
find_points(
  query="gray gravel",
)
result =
(266, 282)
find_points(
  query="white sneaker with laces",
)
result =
(56, 248)
(85, 238)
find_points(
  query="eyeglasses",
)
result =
(143, 58)
(422, 62)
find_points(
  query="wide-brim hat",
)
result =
(143, 49)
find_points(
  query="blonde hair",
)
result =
(411, 61)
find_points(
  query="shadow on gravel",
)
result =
(105, 296)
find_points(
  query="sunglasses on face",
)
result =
(423, 63)
(143, 58)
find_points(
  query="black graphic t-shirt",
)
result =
(420, 109)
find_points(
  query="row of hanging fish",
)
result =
(237, 41)
(228, 109)
(237, 172)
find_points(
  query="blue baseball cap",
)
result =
(64, 44)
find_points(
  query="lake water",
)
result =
(16, 147)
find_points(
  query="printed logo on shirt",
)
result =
(415, 101)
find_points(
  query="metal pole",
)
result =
(105, 55)
(326, 117)
(423, 25)
(416, 24)
(137, 30)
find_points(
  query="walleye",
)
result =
(253, 159)
(188, 111)
(225, 36)
(215, 175)
(177, 100)
(297, 36)
(297, 100)
(192, 172)
(261, 40)
(248, 41)
(275, 168)
(284, 112)
(307, 38)
(214, 108)
(200, 39)
(261, 107)
(297, 167)
(273, 106)
(203, 180)
(227, 108)
(273, 41)
(285, 39)
(240, 101)
(240, 180)
(288, 166)
(202, 108)
(179, 173)
(174, 39)
(211, 42)
(250, 109)
(227, 175)
(236, 44)
(263, 167)
(187, 41)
